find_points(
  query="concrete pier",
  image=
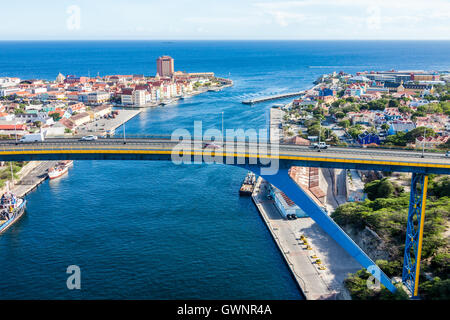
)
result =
(101, 126)
(31, 176)
(316, 284)
(276, 97)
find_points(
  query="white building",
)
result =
(140, 97)
(98, 97)
(8, 91)
(39, 90)
(9, 82)
(127, 99)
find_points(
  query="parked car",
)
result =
(89, 138)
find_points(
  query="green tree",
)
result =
(355, 131)
(436, 289)
(441, 187)
(344, 123)
(339, 115)
(379, 189)
(55, 115)
(411, 136)
(405, 110)
(397, 139)
(379, 104)
(393, 103)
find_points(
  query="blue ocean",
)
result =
(154, 230)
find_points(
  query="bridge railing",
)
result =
(140, 139)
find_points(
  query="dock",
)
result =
(317, 280)
(33, 177)
(275, 97)
(101, 126)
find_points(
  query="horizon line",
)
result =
(170, 40)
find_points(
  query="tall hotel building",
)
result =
(165, 66)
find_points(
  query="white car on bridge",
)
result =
(89, 138)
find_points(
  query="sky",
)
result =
(225, 20)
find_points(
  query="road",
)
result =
(334, 156)
(316, 283)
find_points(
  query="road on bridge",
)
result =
(332, 155)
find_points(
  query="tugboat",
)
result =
(11, 209)
(248, 185)
(60, 169)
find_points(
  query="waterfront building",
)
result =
(285, 205)
(165, 66)
(358, 79)
(101, 111)
(139, 97)
(98, 97)
(80, 119)
(305, 102)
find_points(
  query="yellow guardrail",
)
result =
(143, 149)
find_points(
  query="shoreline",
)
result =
(314, 284)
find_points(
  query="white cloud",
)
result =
(422, 19)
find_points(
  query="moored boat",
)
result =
(11, 209)
(60, 169)
(248, 184)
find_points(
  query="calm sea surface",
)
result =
(153, 230)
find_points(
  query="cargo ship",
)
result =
(11, 209)
(60, 169)
(248, 184)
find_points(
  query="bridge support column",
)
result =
(284, 182)
(414, 232)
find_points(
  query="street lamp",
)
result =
(15, 131)
(320, 131)
(423, 141)
(223, 134)
(124, 139)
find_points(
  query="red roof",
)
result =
(12, 127)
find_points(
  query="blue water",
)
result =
(153, 230)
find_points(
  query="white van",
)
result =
(32, 137)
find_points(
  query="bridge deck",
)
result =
(157, 149)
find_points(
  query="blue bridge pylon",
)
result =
(414, 232)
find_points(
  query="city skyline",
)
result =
(234, 20)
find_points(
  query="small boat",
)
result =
(185, 96)
(166, 102)
(248, 185)
(60, 169)
(12, 209)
